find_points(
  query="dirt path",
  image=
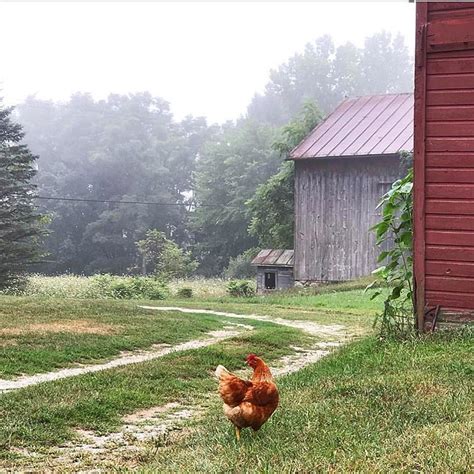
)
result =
(145, 430)
(307, 326)
(336, 331)
(231, 330)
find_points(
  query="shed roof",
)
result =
(362, 126)
(274, 257)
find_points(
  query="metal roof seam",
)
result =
(342, 116)
(320, 125)
(376, 104)
(396, 138)
(351, 127)
(393, 126)
(394, 98)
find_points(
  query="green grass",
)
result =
(352, 308)
(45, 414)
(76, 286)
(357, 300)
(32, 342)
(28, 346)
(371, 407)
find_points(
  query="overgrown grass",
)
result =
(39, 334)
(372, 407)
(202, 288)
(76, 286)
(45, 414)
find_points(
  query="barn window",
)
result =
(270, 280)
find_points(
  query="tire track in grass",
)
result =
(333, 330)
(151, 426)
(309, 327)
(148, 428)
(135, 357)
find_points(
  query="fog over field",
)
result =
(205, 58)
(173, 121)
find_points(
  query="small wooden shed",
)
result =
(342, 169)
(444, 163)
(274, 269)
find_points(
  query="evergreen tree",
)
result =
(20, 225)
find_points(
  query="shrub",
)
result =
(241, 288)
(201, 287)
(185, 293)
(108, 286)
(163, 257)
(240, 266)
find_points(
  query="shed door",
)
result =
(270, 280)
(444, 157)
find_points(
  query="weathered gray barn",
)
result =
(274, 269)
(342, 169)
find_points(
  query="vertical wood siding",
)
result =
(283, 280)
(335, 206)
(444, 156)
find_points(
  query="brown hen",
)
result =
(248, 403)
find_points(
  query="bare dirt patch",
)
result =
(76, 326)
(142, 432)
(8, 342)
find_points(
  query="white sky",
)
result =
(205, 58)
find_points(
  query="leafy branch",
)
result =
(395, 232)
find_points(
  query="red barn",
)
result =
(444, 162)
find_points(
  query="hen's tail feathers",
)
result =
(221, 371)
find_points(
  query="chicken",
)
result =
(248, 403)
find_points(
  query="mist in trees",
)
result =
(125, 148)
(218, 190)
(326, 74)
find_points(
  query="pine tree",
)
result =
(20, 225)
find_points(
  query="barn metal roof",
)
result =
(274, 257)
(362, 126)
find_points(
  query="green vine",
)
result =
(395, 232)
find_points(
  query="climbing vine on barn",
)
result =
(395, 231)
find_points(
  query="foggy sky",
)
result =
(204, 58)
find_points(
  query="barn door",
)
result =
(444, 158)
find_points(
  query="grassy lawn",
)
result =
(371, 407)
(352, 308)
(38, 335)
(354, 301)
(42, 334)
(44, 415)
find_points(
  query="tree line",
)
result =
(216, 191)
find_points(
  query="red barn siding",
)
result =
(444, 157)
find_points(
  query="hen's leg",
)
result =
(237, 433)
